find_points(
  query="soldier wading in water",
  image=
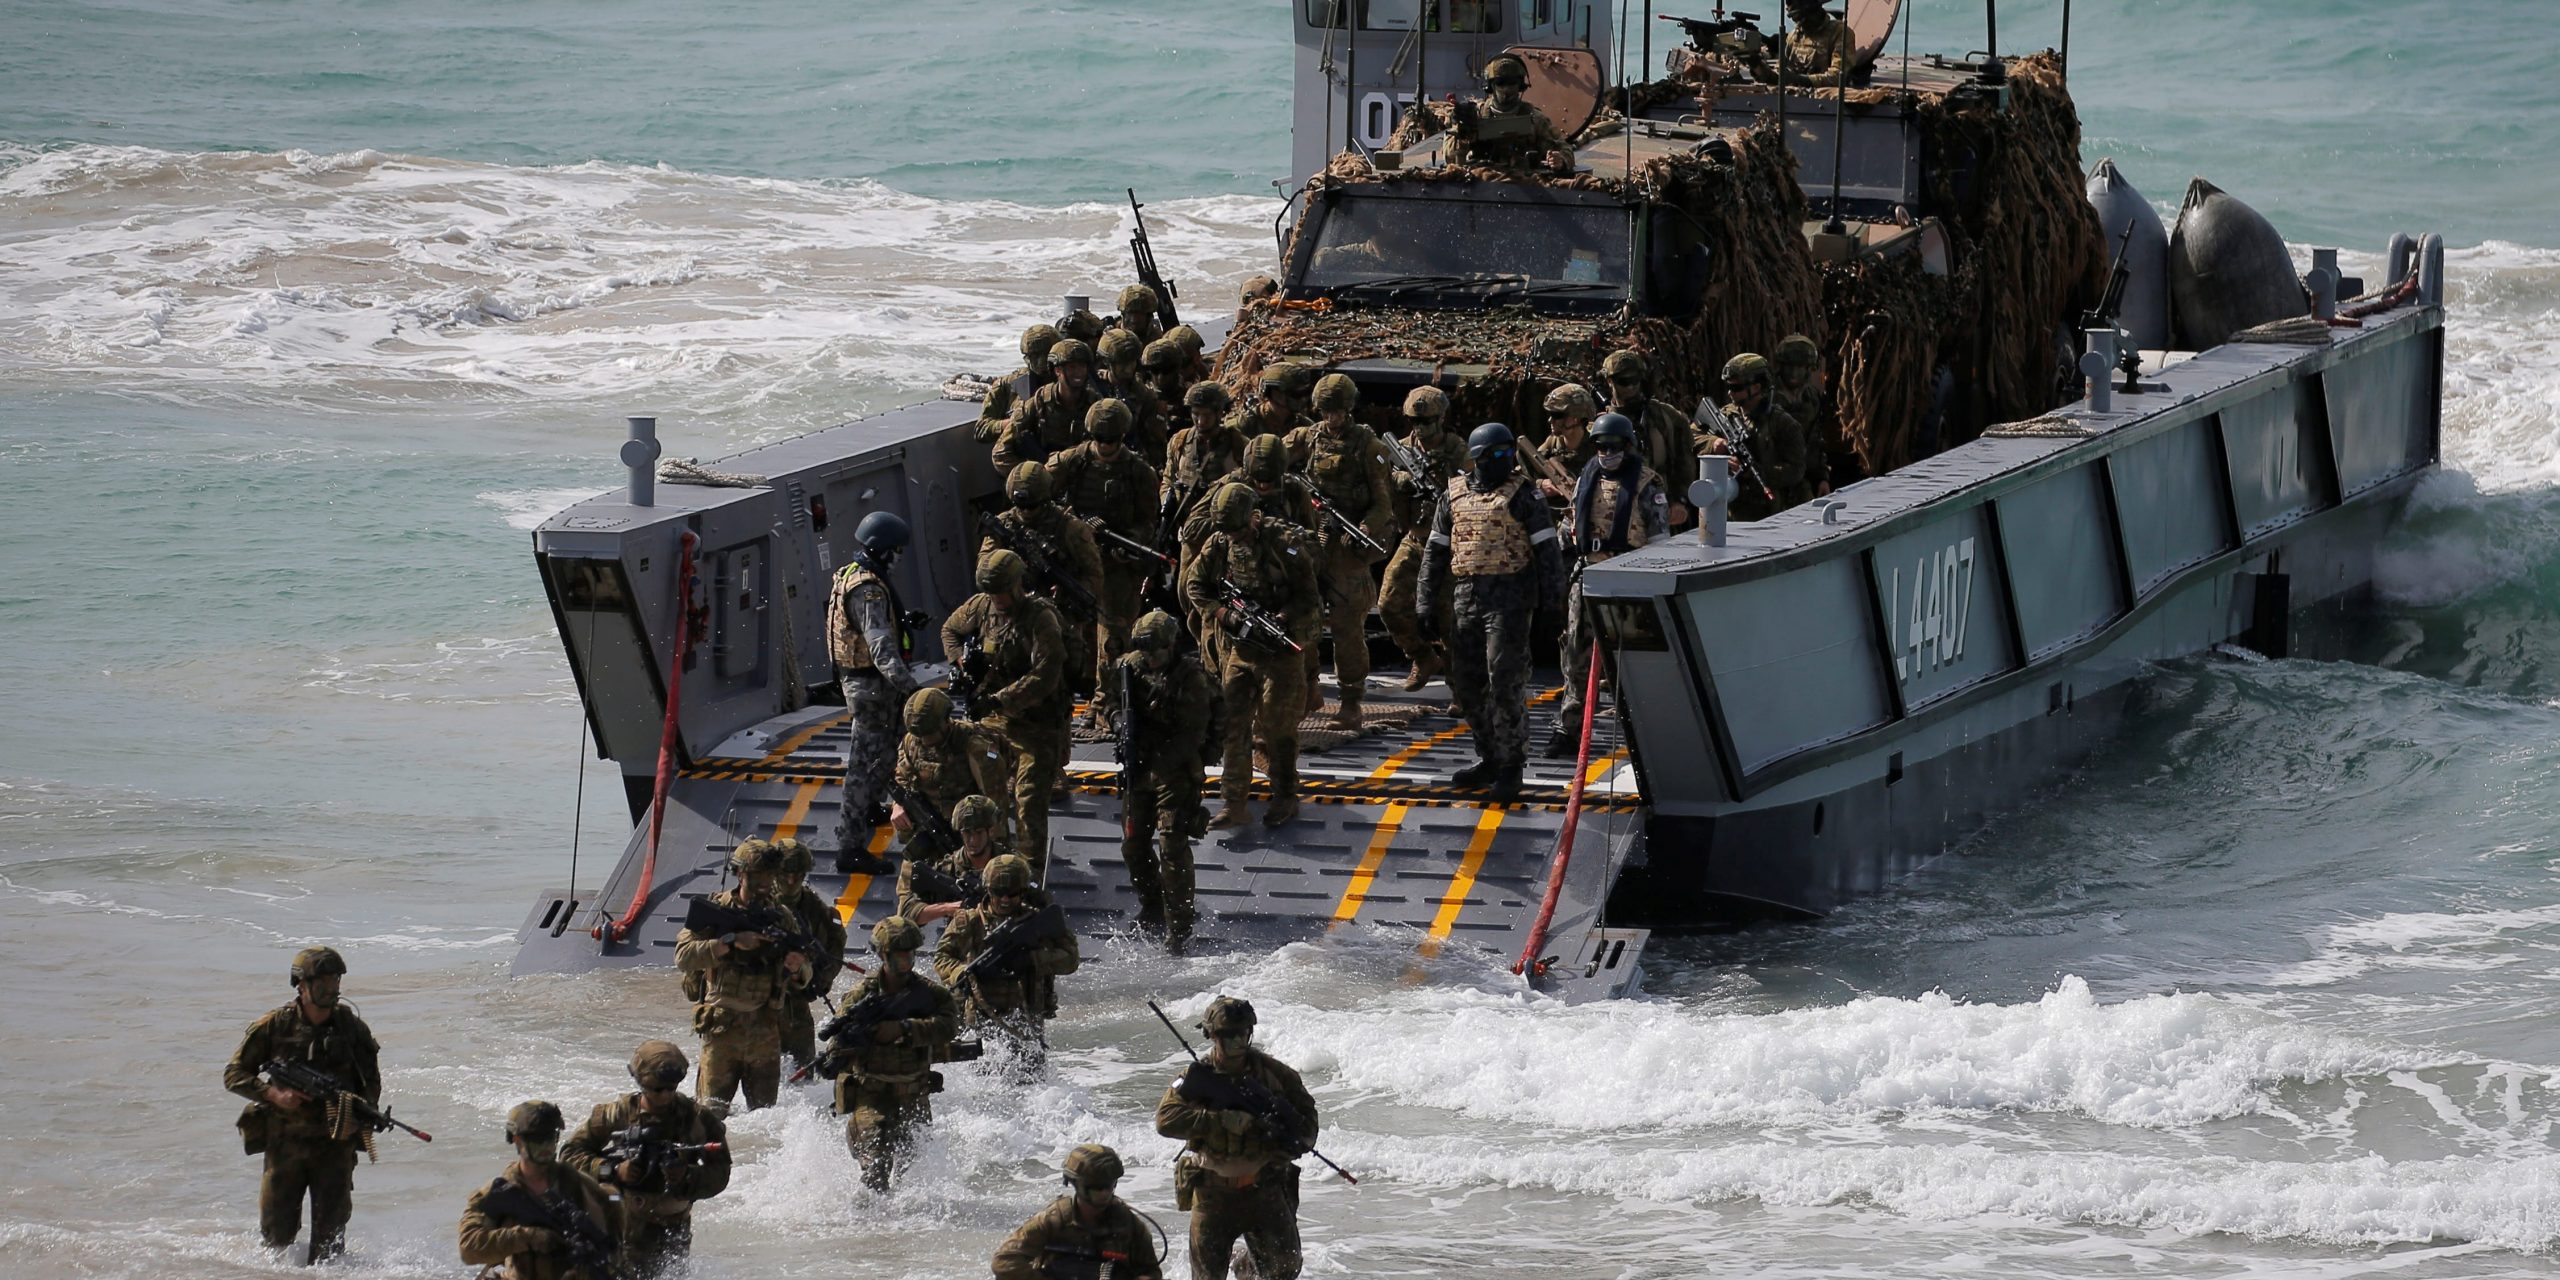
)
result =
(310, 1145)
(1238, 1172)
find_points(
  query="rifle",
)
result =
(1280, 1123)
(1159, 565)
(589, 1245)
(1247, 620)
(849, 1032)
(968, 669)
(641, 1145)
(1125, 748)
(1080, 1262)
(1344, 526)
(1423, 484)
(1044, 561)
(1143, 251)
(1169, 513)
(927, 816)
(1006, 953)
(1713, 419)
(705, 918)
(319, 1086)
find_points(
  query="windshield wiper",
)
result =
(1548, 287)
(1397, 284)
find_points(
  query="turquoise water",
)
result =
(309, 312)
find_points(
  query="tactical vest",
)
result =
(1484, 537)
(1607, 496)
(1339, 469)
(1260, 571)
(1107, 489)
(1195, 462)
(845, 640)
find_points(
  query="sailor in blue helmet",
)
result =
(870, 638)
(1494, 539)
(1619, 504)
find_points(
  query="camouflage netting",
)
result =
(1761, 286)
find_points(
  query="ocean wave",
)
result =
(528, 508)
(2444, 941)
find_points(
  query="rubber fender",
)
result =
(2145, 313)
(2228, 269)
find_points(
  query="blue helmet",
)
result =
(881, 534)
(1494, 452)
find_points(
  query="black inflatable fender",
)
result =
(2145, 313)
(2228, 269)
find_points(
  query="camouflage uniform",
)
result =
(1053, 417)
(886, 1092)
(1497, 130)
(1024, 693)
(1274, 566)
(1777, 441)
(1278, 495)
(1663, 431)
(1343, 464)
(1059, 1240)
(1199, 457)
(656, 1223)
(1176, 724)
(530, 1249)
(1137, 317)
(739, 996)
(1015, 387)
(1817, 44)
(1567, 449)
(1796, 389)
(946, 760)
(1117, 493)
(869, 642)
(1065, 542)
(1496, 539)
(305, 1155)
(819, 919)
(1613, 513)
(1240, 1181)
(1124, 378)
(959, 877)
(1016, 1010)
(1444, 458)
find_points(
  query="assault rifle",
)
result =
(1143, 252)
(319, 1086)
(589, 1245)
(1422, 482)
(1006, 952)
(1737, 438)
(1279, 1122)
(849, 1032)
(1159, 565)
(1344, 527)
(705, 918)
(927, 817)
(1047, 564)
(932, 884)
(1125, 747)
(1735, 36)
(968, 669)
(1169, 514)
(643, 1145)
(1249, 621)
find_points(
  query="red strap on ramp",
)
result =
(1564, 839)
(668, 742)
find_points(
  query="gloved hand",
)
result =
(889, 1032)
(1236, 1121)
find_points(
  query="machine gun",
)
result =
(2110, 307)
(968, 670)
(927, 817)
(1249, 621)
(1279, 1123)
(1046, 563)
(590, 1247)
(1142, 251)
(1736, 437)
(642, 1145)
(849, 1032)
(1737, 36)
(1006, 953)
(1344, 527)
(321, 1087)
(706, 918)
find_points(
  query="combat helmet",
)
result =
(793, 856)
(1155, 633)
(1108, 419)
(535, 1121)
(1188, 338)
(1119, 347)
(1227, 1014)
(1276, 380)
(658, 1064)
(1137, 300)
(1797, 351)
(1745, 369)
(1081, 324)
(1231, 508)
(974, 813)
(1495, 452)
(928, 712)
(1506, 70)
(999, 571)
(1164, 355)
(1613, 428)
(1071, 351)
(1256, 288)
(1037, 340)
(1027, 485)
(1426, 404)
(895, 934)
(882, 534)
(1009, 875)
(1094, 1166)
(754, 856)
(1572, 400)
(1207, 401)
(1266, 458)
(317, 962)
(1336, 393)
(1624, 366)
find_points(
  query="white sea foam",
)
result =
(528, 508)
(2446, 941)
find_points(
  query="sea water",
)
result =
(308, 313)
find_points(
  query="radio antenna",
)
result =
(1839, 139)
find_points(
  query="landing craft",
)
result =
(1810, 704)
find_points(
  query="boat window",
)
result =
(1471, 17)
(1474, 17)
(1479, 249)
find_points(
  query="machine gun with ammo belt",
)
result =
(1047, 563)
(706, 918)
(1142, 252)
(327, 1090)
(2107, 315)
(589, 1245)
(1734, 36)
(641, 1144)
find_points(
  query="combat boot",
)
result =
(1505, 783)
(1475, 775)
(1347, 715)
(1280, 812)
(1424, 669)
(1231, 814)
(1561, 744)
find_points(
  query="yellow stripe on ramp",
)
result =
(1487, 824)
(782, 750)
(857, 885)
(1356, 893)
(798, 813)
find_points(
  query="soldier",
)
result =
(1138, 316)
(1087, 1226)
(1271, 565)
(1343, 464)
(309, 1145)
(1499, 130)
(1567, 449)
(1797, 373)
(1238, 1175)
(738, 986)
(944, 759)
(1444, 458)
(1817, 46)
(886, 1092)
(1276, 493)
(1495, 537)
(1082, 325)
(1067, 544)
(1162, 371)
(1113, 490)
(1618, 506)
(1201, 454)
(930, 891)
(1663, 431)
(533, 1218)
(1175, 725)
(1194, 368)
(867, 633)
(1255, 288)
(1017, 386)
(1015, 1004)
(1053, 417)
(1022, 690)
(1775, 439)
(818, 919)
(687, 1159)
(1273, 411)
(1127, 379)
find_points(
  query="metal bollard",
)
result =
(2322, 281)
(2095, 368)
(640, 453)
(2431, 270)
(1712, 494)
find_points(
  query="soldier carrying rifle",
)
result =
(661, 1150)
